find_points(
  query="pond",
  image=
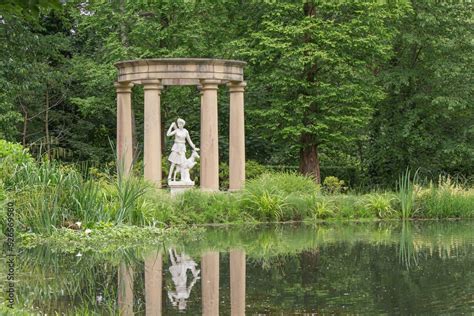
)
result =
(345, 268)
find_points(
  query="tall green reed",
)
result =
(129, 190)
(406, 192)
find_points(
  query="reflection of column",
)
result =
(153, 280)
(125, 290)
(152, 132)
(209, 136)
(237, 282)
(236, 136)
(124, 127)
(210, 283)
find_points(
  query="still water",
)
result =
(351, 268)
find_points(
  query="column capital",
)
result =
(237, 86)
(152, 84)
(123, 87)
(199, 87)
(209, 84)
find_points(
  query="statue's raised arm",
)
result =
(170, 131)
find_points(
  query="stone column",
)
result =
(237, 282)
(152, 131)
(209, 173)
(210, 283)
(125, 290)
(236, 136)
(153, 283)
(124, 127)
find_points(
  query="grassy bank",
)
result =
(49, 196)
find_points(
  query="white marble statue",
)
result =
(177, 158)
(178, 269)
(183, 169)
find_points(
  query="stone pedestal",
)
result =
(177, 187)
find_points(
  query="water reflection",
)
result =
(153, 283)
(382, 268)
(210, 283)
(407, 253)
(125, 289)
(179, 272)
(237, 282)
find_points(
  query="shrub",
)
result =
(284, 183)
(264, 204)
(299, 206)
(349, 206)
(11, 156)
(16, 152)
(323, 209)
(446, 199)
(379, 205)
(158, 208)
(279, 196)
(333, 185)
(252, 170)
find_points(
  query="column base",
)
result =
(234, 190)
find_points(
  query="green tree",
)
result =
(315, 66)
(34, 79)
(427, 119)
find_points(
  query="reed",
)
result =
(406, 193)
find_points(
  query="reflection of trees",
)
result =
(306, 268)
(309, 263)
(63, 283)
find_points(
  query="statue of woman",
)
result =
(178, 151)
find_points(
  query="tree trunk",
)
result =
(123, 25)
(309, 159)
(46, 125)
(25, 125)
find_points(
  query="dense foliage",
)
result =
(359, 89)
(48, 196)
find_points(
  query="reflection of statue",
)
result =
(178, 269)
(178, 152)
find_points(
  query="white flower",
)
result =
(88, 231)
(79, 254)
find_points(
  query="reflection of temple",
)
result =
(209, 282)
(180, 264)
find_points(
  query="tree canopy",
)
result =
(360, 90)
